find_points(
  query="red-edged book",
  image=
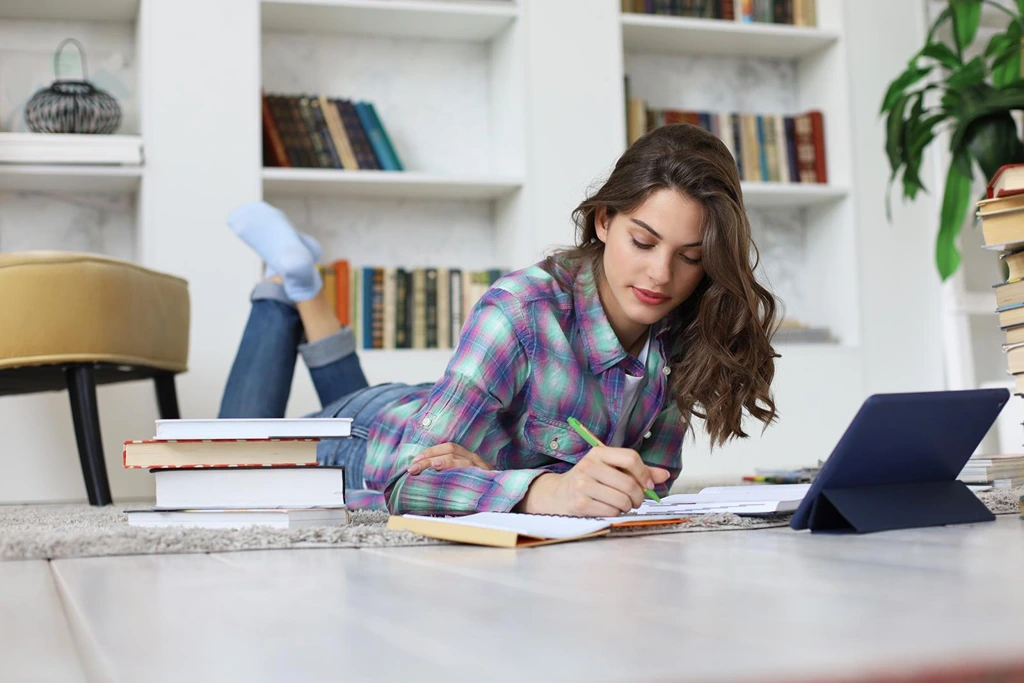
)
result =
(192, 453)
(1007, 181)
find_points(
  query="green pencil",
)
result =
(595, 442)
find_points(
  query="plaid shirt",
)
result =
(531, 354)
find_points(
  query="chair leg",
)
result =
(166, 396)
(84, 410)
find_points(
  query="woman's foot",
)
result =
(282, 248)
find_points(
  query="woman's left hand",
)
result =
(446, 456)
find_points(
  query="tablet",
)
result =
(913, 438)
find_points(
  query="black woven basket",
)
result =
(72, 106)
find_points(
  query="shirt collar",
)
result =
(603, 347)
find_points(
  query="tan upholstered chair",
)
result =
(72, 321)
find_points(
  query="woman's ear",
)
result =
(601, 221)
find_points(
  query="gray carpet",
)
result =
(62, 531)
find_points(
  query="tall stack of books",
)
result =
(240, 472)
(1002, 226)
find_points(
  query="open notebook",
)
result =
(516, 530)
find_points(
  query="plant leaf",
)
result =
(894, 129)
(971, 73)
(955, 200)
(943, 54)
(966, 19)
(912, 75)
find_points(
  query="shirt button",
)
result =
(647, 435)
(425, 422)
(666, 370)
(553, 444)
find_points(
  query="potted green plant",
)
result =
(973, 98)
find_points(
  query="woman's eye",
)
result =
(691, 261)
(640, 245)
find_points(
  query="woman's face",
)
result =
(652, 261)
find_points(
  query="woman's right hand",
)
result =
(605, 483)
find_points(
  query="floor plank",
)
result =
(743, 605)
(36, 641)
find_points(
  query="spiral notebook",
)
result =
(517, 530)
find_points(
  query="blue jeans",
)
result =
(261, 378)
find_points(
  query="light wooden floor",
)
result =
(739, 605)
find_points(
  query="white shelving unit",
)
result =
(442, 20)
(683, 35)
(311, 182)
(504, 113)
(70, 179)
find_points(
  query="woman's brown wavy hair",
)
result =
(719, 344)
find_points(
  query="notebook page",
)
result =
(538, 526)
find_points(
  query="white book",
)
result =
(237, 519)
(250, 487)
(255, 428)
(737, 500)
(54, 148)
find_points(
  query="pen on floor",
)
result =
(595, 442)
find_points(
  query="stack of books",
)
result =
(54, 148)
(998, 471)
(240, 472)
(1002, 227)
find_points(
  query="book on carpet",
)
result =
(153, 454)
(250, 487)
(281, 518)
(255, 428)
(518, 530)
(738, 500)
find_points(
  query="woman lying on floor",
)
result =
(654, 317)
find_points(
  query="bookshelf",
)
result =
(312, 182)
(503, 124)
(685, 35)
(70, 179)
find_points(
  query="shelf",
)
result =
(53, 178)
(471, 21)
(682, 35)
(383, 184)
(71, 10)
(768, 195)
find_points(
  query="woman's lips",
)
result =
(647, 297)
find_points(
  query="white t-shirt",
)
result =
(629, 396)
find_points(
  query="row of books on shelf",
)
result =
(405, 308)
(793, 12)
(1002, 227)
(233, 473)
(767, 147)
(315, 131)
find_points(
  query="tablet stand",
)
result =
(896, 506)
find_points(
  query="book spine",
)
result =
(341, 142)
(365, 157)
(430, 308)
(329, 155)
(376, 137)
(377, 313)
(444, 328)
(390, 307)
(402, 340)
(805, 149)
(319, 155)
(793, 163)
(272, 140)
(737, 137)
(818, 140)
(419, 308)
(455, 304)
(299, 135)
(367, 317)
(377, 124)
(342, 279)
